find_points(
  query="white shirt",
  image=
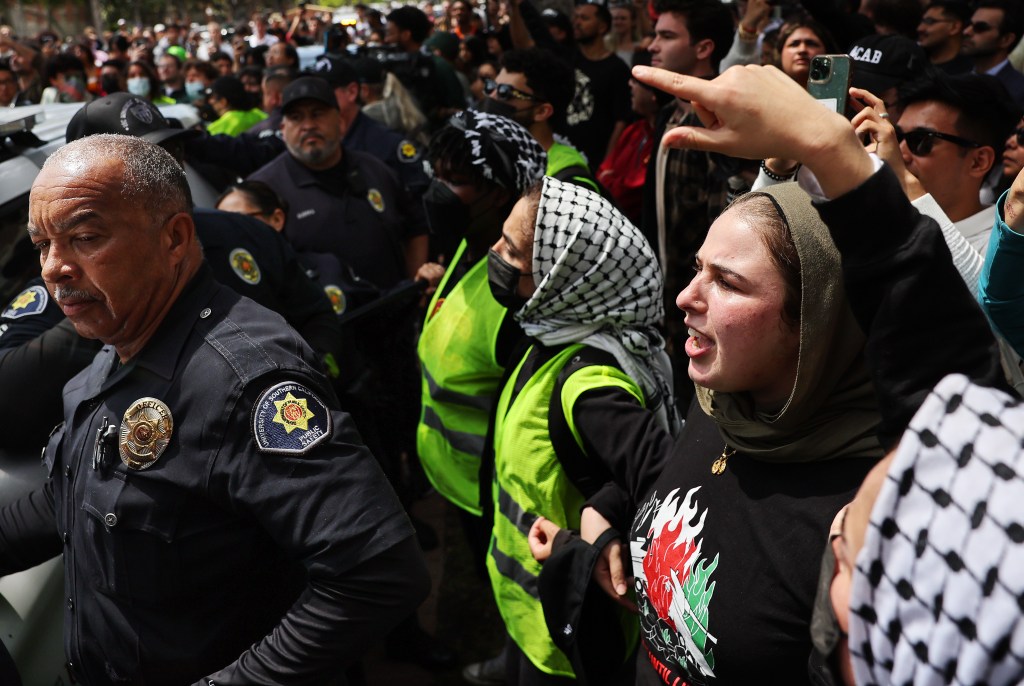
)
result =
(977, 228)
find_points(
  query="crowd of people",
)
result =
(723, 385)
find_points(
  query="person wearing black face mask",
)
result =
(482, 163)
(587, 404)
(534, 88)
(112, 77)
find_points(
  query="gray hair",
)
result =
(152, 179)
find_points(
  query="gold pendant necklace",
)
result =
(718, 466)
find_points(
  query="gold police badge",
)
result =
(408, 152)
(337, 298)
(243, 263)
(376, 199)
(145, 433)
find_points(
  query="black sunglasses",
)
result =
(505, 92)
(921, 141)
(980, 26)
(1020, 136)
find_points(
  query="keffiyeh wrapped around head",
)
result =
(599, 283)
(503, 151)
(938, 590)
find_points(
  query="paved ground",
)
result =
(460, 609)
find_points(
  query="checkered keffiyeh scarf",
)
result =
(599, 283)
(938, 592)
(504, 151)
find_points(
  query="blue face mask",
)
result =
(139, 86)
(194, 90)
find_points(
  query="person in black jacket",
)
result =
(243, 253)
(203, 426)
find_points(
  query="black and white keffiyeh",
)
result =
(938, 592)
(599, 283)
(504, 151)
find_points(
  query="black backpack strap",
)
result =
(577, 171)
(569, 173)
(586, 474)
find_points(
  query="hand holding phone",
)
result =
(829, 81)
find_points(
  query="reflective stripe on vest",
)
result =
(460, 382)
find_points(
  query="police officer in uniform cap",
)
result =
(365, 134)
(342, 202)
(243, 253)
(220, 520)
(250, 151)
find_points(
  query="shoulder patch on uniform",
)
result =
(289, 419)
(32, 300)
(376, 199)
(337, 298)
(408, 152)
(244, 264)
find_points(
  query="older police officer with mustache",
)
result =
(220, 520)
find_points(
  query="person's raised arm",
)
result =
(1001, 290)
(920, 320)
(758, 112)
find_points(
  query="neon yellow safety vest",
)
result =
(564, 156)
(529, 482)
(235, 122)
(460, 383)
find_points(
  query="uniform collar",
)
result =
(161, 353)
(355, 130)
(304, 177)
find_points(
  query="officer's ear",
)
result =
(178, 235)
(276, 219)
(347, 94)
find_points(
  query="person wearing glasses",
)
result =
(534, 89)
(994, 31)
(952, 131)
(940, 34)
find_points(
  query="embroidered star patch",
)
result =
(289, 419)
(30, 301)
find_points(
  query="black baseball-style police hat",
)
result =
(308, 88)
(337, 71)
(127, 115)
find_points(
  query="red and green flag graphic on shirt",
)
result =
(674, 588)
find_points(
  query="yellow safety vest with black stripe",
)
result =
(529, 482)
(460, 382)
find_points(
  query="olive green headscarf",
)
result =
(832, 411)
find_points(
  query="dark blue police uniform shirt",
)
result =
(363, 218)
(174, 571)
(403, 156)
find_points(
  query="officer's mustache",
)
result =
(64, 294)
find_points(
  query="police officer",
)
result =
(242, 252)
(342, 202)
(220, 520)
(364, 134)
(261, 144)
